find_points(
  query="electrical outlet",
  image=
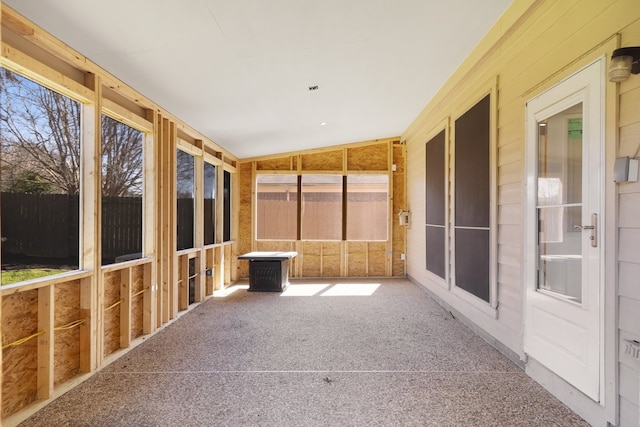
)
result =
(402, 257)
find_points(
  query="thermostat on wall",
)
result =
(625, 169)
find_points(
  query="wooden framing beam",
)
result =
(45, 375)
(125, 308)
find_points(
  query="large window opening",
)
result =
(227, 206)
(209, 204)
(122, 188)
(39, 179)
(321, 209)
(367, 207)
(435, 209)
(276, 207)
(473, 200)
(185, 185)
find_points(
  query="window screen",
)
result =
(472, 199)
(367, 207)
(321, 209)
(277, 207)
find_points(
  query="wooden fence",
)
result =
(48, 226)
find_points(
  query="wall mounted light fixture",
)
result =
(624, 61)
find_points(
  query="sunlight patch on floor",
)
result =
(228, 291)
(351, 289)
(306, 290)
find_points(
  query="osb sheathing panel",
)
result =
(357, 259)
(377, 258)
(310, 259)
(273, 246)
(19, 363)
(66, 347)
(183, 279)
(112, 316)
(322, 161)
(279, 164)
(244, 231)
(331, 256)
(399, 203)
(137, 302)
(368, 157)
(210, 264)
(227, 264)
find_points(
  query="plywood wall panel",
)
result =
(137, 301)
(277, 164)
(357, 259)
(399, 202)
(322, 161)
(227, 264)
(210, 265)
(377, 263)
(111, 339)
(311, 255)
(331, 259)
(245, 218)
(368, 158)
(66, 341)
(19, 363)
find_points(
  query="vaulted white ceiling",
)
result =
(239, 71)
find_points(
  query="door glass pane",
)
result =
(559, 203)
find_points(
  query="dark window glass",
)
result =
(472, 195)
(209, 204)
(185, 185)
(435, 204)
(227, 206)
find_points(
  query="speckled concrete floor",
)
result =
(322, 353)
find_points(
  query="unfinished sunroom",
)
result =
(299, 213)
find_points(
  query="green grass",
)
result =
(14, 276)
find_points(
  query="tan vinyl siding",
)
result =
(629, 252)
(533, 46)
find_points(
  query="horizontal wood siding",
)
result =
(534, 45)
(629, 249)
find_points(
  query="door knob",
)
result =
(592, 227)
(584, 227)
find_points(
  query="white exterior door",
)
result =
(563, 254)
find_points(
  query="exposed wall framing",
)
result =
(57, 331)
(332, 258)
